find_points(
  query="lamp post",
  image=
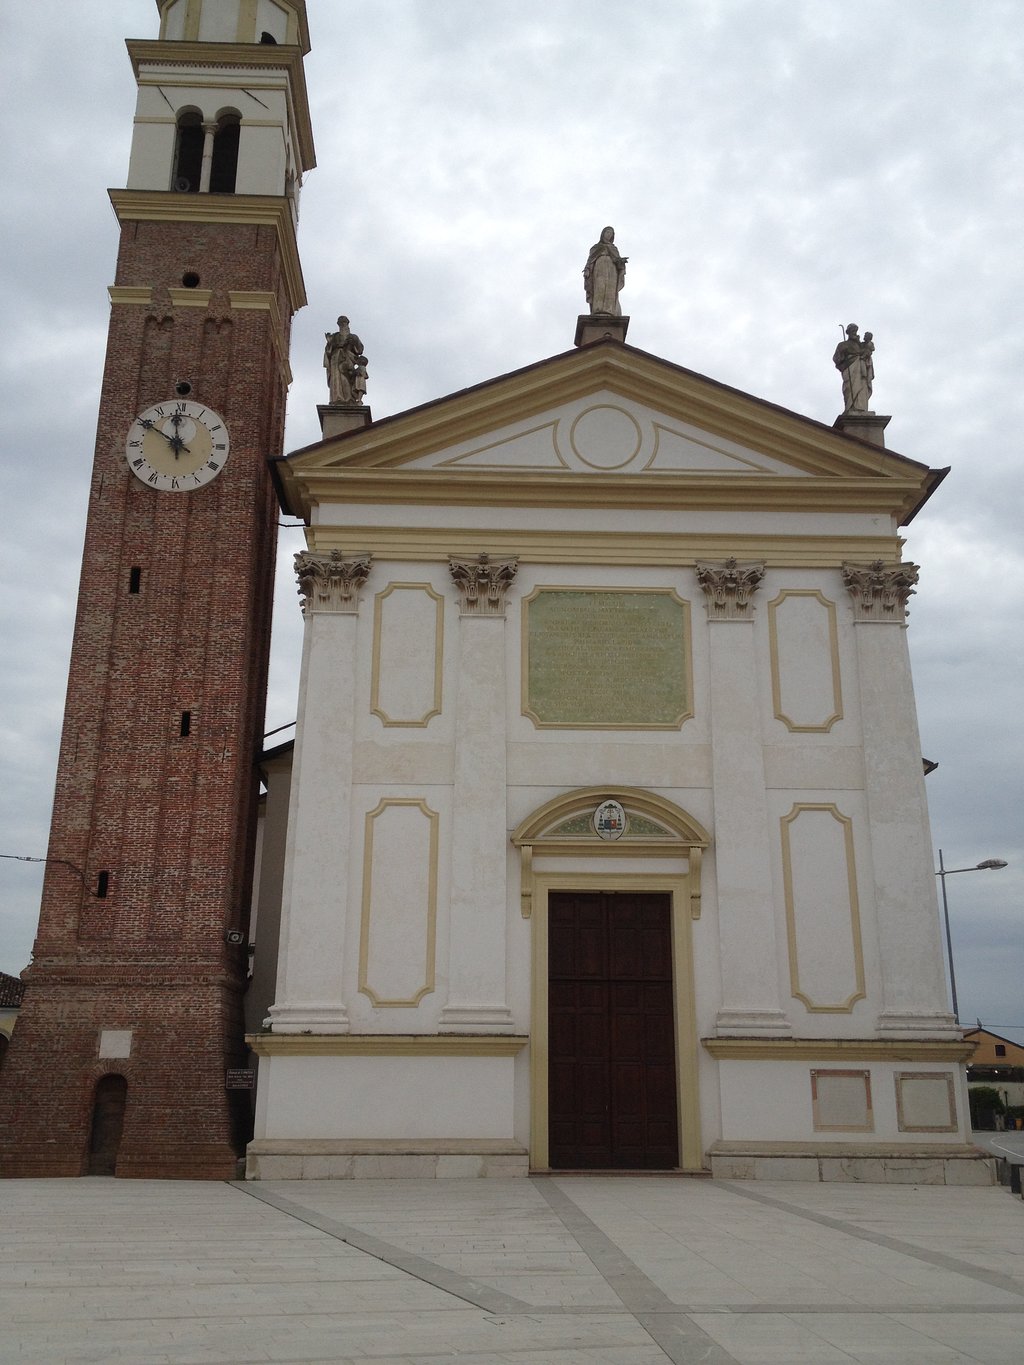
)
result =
(942, 874)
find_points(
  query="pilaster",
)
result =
(913, 973)
(751, 1004)
(477, 957)
(314, 913)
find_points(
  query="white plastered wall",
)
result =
(802, 708)
(264, 155)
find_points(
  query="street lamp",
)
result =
(942, 874)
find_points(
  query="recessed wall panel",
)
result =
(925, 1102)
(826, 959)
(804, 641)
(398, 930)
(841, 1101)
(408, 641)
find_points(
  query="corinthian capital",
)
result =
(879, 590)
(482, 583)
(330, 583)
(728, 589)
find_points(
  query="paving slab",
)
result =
(545, 1271)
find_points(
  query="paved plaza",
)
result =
(568, 1271)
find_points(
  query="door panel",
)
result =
(611, 1032)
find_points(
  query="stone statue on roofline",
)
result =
(604, 275)
(853, 360)
(345, 364)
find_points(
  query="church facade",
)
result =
(603, 843)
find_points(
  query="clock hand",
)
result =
(175, 441)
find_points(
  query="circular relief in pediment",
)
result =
(606, 437)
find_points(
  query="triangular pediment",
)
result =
(597, 423)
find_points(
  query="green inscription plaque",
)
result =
(606, 659)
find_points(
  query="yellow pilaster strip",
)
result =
(246, 22)
(192, 16)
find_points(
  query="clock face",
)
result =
(177, 446)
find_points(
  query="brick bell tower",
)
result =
(133, 1006)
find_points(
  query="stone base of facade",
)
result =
(384, 1159)
(946, 1164)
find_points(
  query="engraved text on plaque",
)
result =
(606, 658)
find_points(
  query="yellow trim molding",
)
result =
(538, 834)
(244, 210)
(795, 727)
(690, 1145)
(819, 1117)
(943, 1079)
(599, 590)
(376, 709)
(385, 1044)
(669, 389)
(719, 452)
(676, 549)
(860, 991)
(468, 458)
(130, 293)
(607, 407)
(836, 1049)
(677, 491)
(430, 948)
(190, 298)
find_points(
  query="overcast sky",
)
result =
(773, 168)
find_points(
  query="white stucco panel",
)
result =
(387, 1097)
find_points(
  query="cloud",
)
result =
(773, 171)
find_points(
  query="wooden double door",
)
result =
(611, 1032)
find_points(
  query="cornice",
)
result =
(164, 206)
(674, 492)
(837, 1049)
(236, 56)
(662, 549)
(385, 1044)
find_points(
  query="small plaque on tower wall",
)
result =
(610, 659)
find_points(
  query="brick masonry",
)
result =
(169, 818)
